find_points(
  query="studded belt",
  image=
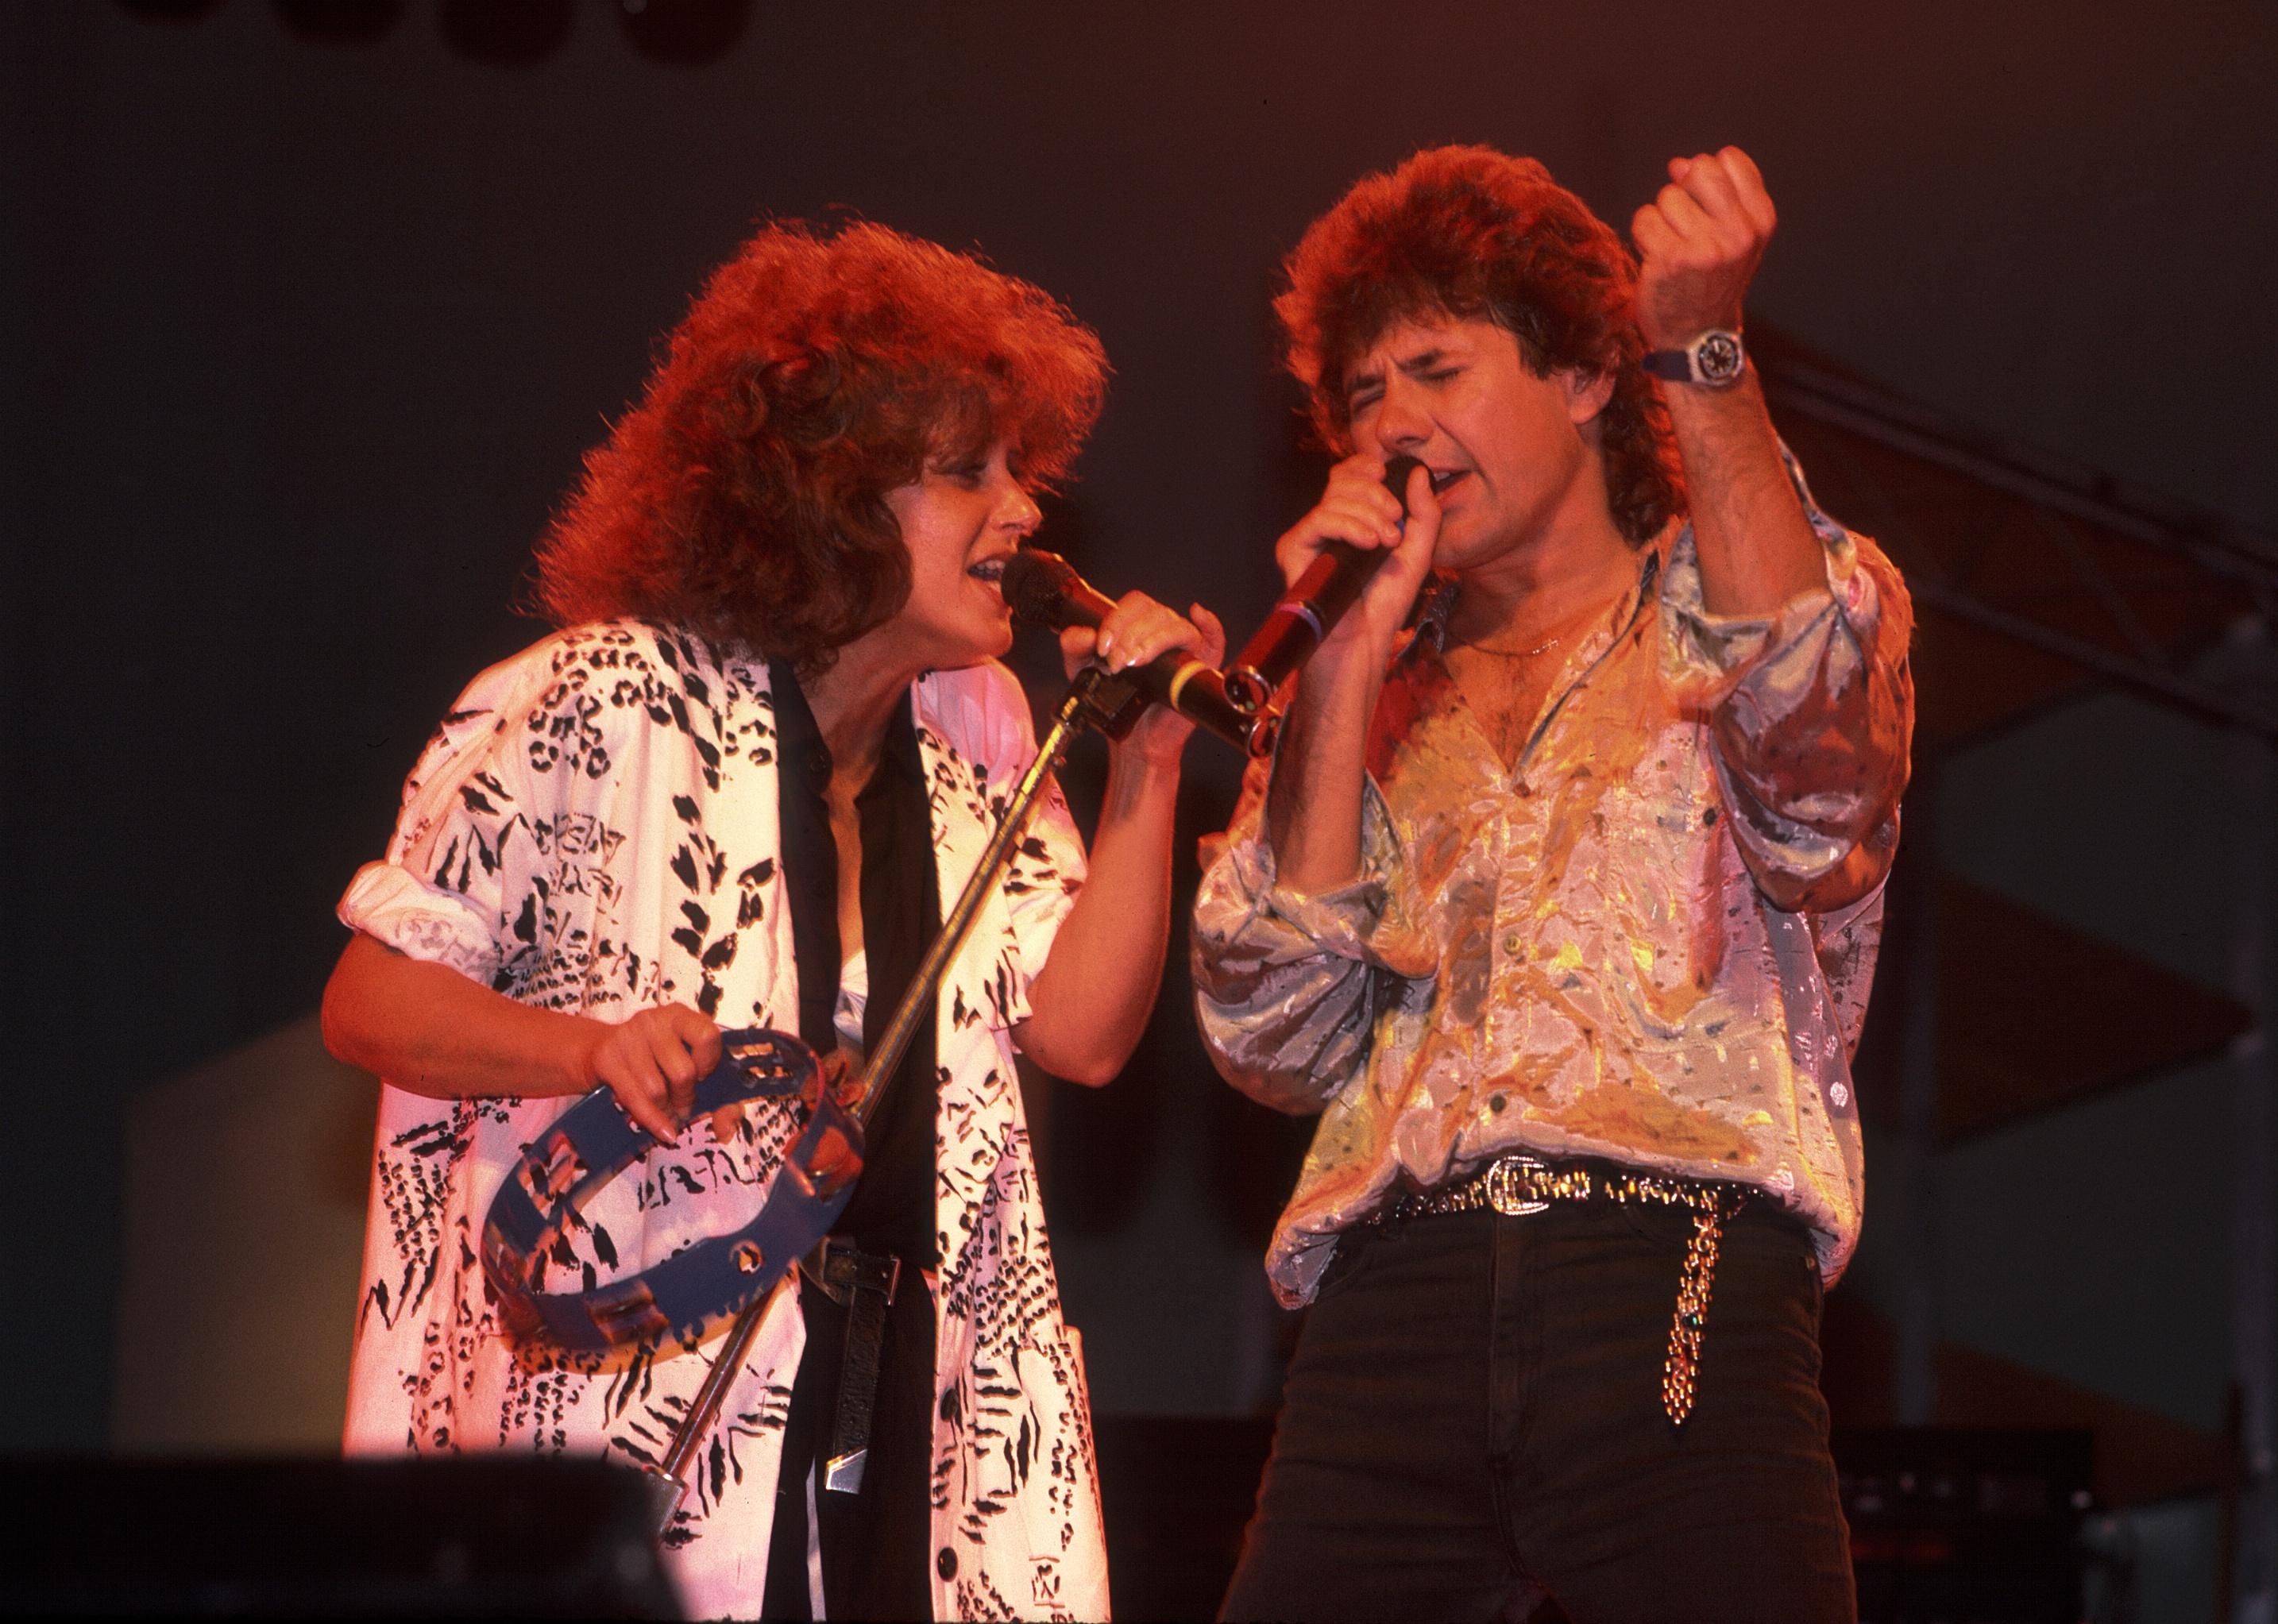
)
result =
(1515, 1185)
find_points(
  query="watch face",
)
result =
(1718, 357)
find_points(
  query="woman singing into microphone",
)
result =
(735, 788)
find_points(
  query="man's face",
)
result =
(1510, 453)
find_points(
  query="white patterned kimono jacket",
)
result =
(594, 829)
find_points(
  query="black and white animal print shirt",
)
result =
(594, 829)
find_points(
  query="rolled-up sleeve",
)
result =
(1286, 985)
(1811, 710)
(456, 885)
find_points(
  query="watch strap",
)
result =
(1713, 360)
(1673, 366)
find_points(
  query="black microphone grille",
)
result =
(1035, 584)
(1395, 478)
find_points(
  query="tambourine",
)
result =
(693, 1292)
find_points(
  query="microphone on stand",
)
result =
(1309, 610)
(1043, 589)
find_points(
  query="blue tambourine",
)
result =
(692, 1292)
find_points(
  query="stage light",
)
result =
(685, 33)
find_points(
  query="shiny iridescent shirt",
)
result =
(1650, 941)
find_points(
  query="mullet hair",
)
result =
(1471, 233)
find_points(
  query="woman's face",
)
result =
(960, 519)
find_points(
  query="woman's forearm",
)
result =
(426, 1028)
(1090, 1001)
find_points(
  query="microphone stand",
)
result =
(1080, 708)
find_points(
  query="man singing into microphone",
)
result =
(1560, 903)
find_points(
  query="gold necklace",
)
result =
(1539, 648)
(1544, 647)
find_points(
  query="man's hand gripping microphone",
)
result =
(1303, 619)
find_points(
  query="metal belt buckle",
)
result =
(883, 1275)
(1505, 1194)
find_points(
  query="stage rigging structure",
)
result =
(2037, 581)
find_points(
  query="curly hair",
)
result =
(1473, 233)
(744, 498)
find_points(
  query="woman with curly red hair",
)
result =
(735, 789)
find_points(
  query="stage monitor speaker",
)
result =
(1966, 1523)
(473, 1535)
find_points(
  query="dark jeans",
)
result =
(1473, 1420)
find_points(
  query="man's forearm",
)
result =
(1313, 806)
(1757, 549)
(1699, 244)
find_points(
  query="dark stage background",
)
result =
(304, 335)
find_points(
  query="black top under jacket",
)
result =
(892, 1207)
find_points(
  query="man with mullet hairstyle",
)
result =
(1560, 904)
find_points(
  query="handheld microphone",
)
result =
(1043, 589)
(1303, 619)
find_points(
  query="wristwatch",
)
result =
(1714, 361)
